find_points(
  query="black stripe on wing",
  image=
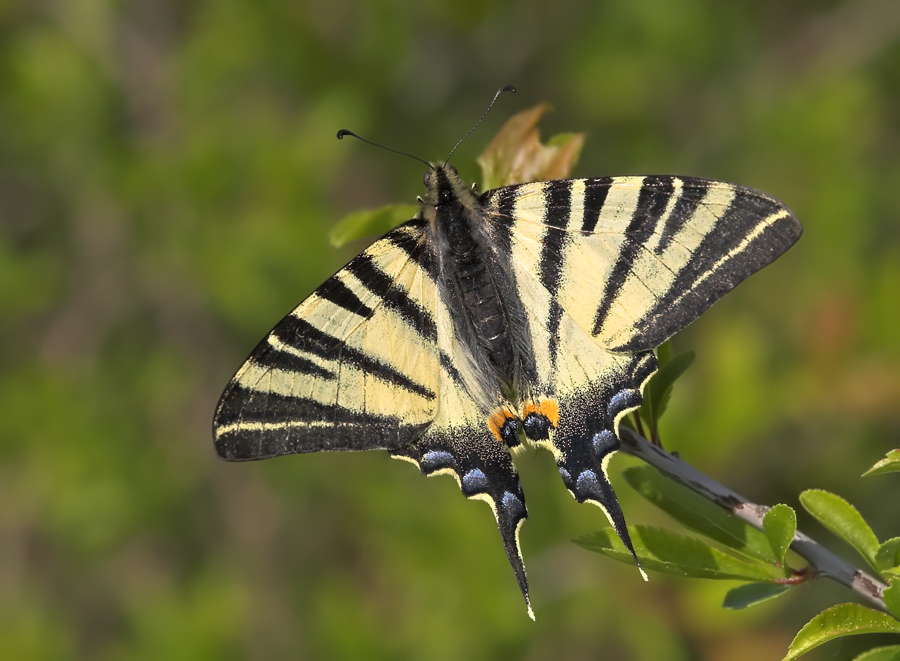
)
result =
(266, 424)
(447, 363)
(753, 232)
(595, 191)
(691, 195)
(652, 201)
(268, 357)
(303, 336)
(335, 291)
(382, 285)
(412, 244)
(505, 203)
(558, 200)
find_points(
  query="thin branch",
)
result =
(823, 562)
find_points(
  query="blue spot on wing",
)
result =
(587, 482)
(474, 482)
(622, 400)
(604, 442)
(513, 507)
(436, 460)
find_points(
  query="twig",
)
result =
(823, 562)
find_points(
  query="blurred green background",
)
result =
(168, 177)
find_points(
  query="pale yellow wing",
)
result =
(633, 260)
(353, 367)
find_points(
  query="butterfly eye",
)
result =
(426, 179)
(452, 170)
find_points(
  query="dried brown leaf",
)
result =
(517, 156)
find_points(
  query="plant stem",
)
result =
(823, 562)
(637, 422)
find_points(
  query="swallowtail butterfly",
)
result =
(525, 313)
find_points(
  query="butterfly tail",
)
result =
(592, 485)
(511, 513)
(484, 471)
(586, 440)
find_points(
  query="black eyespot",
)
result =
(509, 432)
(537, 426)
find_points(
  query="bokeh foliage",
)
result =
(168, 179)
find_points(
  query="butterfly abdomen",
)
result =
(487, 314)
(475, 284)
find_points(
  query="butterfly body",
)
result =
(490, 324)
(527, 311)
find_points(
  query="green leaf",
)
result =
(751, 594)
(842, 620)
(841, 518)
(888, 555)
(890, 464)
(563, 139)
(664, 353)
(889, 653)
(659, 390)
(780, 525)
(373, 222)
(891, 596)
(697, 513)
(678, 555)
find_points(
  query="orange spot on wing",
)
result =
(496, 420)
(550, 409)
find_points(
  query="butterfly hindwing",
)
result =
(461, 444)
(582, 392)
(353, 367)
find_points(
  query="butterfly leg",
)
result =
(485, 471)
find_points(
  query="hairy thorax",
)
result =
(478, 290)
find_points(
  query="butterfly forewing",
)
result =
(639, 258)
(353, 367)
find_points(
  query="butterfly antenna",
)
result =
(343, 132)
(505, 88)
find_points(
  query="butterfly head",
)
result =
(445, 188)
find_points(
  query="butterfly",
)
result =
(524, 315)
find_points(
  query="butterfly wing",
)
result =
(635, 259)
(370, 361)
(460, 444)
(587, 387)
(353, 367)
(607, 269)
